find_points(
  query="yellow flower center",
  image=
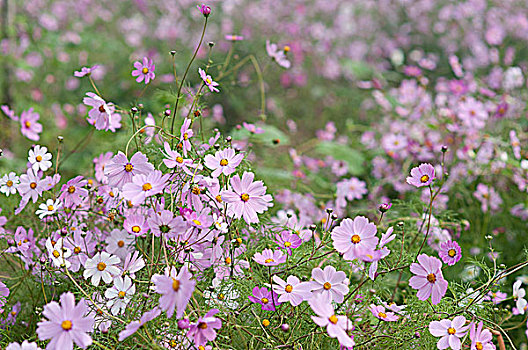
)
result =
(136, 229)
(244, 197)
(66, 325)
(56, 253)
(218, 198)
(120, 244)
(451, 330)
(185, 136)
(27, 124)
(202, 325)
(479, 346)
(224, 162)
(147, 187)
(145, 70)
(355, 239)
(71, 189)
(333, 319)
(327, 285)
(33, 185)
(111, 194)
(451, 252)
(77, 250)
(50, 208)
(382, 315)
(221, 296)
(121, 295)
(424, 178)
(173, 343)
(198, 223)
(287, 244)
(208, 81)
(175, 285)
(265, 322)
(101, 266)
(9, 183)
(129, 167)
(286, 48)
(264, 300)
(179, 160)
(267, 261)
(196, 190)
(431, 278)
(288, 288)
(38, 158)
(228, 260)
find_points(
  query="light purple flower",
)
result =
(144, 70)
(223, 162)
(72, 193)
(350, 189)
(380, 313)
(164, 223)
(174, 159)
(176, 290)
(134, 326)
(449, 331)
(144, 186)
(246, 197)
(4, 293)
(353, 237)
(31, 186)
(208, 81)
(277, 55)
(481, 339)
(252, 128)
(66, 323)
(120, 171)
(450, 252)
(422, 175)
(488, 197)
(101, 113)
(268, 299)
(292, 290)
(203, 329)
(336, 326)
(85, 71)
(186, 133)
(330, 283)
(136, 224)
(270, 257)
(24, 346)
(429, 280)
(30, 127)
(288, 240)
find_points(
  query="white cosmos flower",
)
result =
(102, 265)
(48, 208)
(39, 158)
(518, 295)
(220, 224)
(120, 294)
(9, 183)
(119, 243)
(58, 253)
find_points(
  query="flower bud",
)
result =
(285, 327)
(205, 10)
(384, 207)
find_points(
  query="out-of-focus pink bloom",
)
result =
(277, 55)
(30, 126)
(85, 71)
(175, 289)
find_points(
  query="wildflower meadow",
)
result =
(263, 174)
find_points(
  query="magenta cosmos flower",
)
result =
(223, 162)
(246, 197)
(208, 81)
(204, 9)
(450, 252)
(449, 331)
(270, 258)
(144, 70)
(353, 237)
(330, 283)
(66, 323)
(203, 329)
(380, 313)
(336, 326)
(120, 170)
(175, 289)
(144, 186)
(292, 290)
(268, 299)
(422, 175)
(429, 280)
(30, 127)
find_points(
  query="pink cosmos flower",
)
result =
(481, 339)
(186, 133)
(292, 290)
(121, 171)
(472, 113)
(223, 162)
(9, 113)
(72, 193)
(134, 326)
(85, 71)
(270, 257)
(246, 198)
(164, 223)
(288, 240)
(144, 70)
(277, 55)
(429, 280)
(496, 297)
(233, 37)
(330, 283)
(252, 128)
(101, 113)
(208, 81)
(353, 237)
(100, 163)
(450, 252)
(176, 290)
(268, 299)
(136, 224)
(204, 10)
(66, 323)
(422, 175)
(336, 326)
(174, 160)
(30, 126)
(203, 329)
(31, 186)
(4, 293)
(144, 186)
(380, 313)
(449, 331)
(350, 189)
(488, 197)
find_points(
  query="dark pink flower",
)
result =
(268, 299)
(72, 193)
(450, 252)
(203, 329)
